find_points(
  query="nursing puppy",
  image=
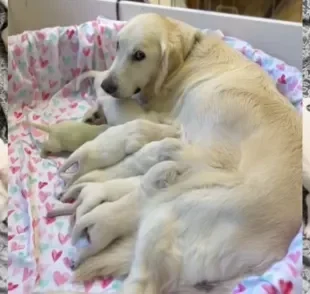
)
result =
(114, 145)
(99, 192)
(133, 165)
(95, 214)
(66, 135)
(111, 111)
(238, 215)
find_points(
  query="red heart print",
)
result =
(27, 274)
(9, 77)
(41, 36)
(270, 289)
(70, 34)
(88, 285)
(50, 176)
(286, 287)
(18, 115)
(12, 286)
(63, 238)
(52, 84)
(73, 105)
(25, 194)
(86, 51)
(75, 72)
(10, 212)
(282, 80)
(10, 237)
(13, 159)
(27, 151)
(43, 196)
(21, 229)
(43, 63)
(35, 117)
(15, 246)
(31, 168)
(18, 51)
(99, 41)
(50, 220)
(45, 95)
(42, 185)
(56, 255)
(15, 169)
(105, 283)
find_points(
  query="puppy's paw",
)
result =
(169, 149)
(95, 116)
(161, 176)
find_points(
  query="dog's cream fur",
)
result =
(114, 145)
(236, 216)
(67, 135)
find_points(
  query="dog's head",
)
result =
(149, 48)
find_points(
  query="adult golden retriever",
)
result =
(237, 213)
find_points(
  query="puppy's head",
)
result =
(149, 48)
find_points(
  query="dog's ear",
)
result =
(182, 37)
(176, 45)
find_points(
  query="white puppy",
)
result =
(112, 111)
(89, 195)
(114, 145)
(239, 215)
(93, 216)
(133, 165)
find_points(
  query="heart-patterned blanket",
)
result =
(42, 65)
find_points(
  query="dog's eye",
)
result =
(138, 55)
(308, 107)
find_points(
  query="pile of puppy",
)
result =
(95, 146)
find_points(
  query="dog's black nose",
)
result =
(109, 86)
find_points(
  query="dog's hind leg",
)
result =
(114, 261)
(157, 264)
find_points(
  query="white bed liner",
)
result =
(278, 38)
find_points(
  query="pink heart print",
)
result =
(56, 255)
(60, 278)
(27, 274)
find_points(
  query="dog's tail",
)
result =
(114, 261)
(42, 127)
(83, 76)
